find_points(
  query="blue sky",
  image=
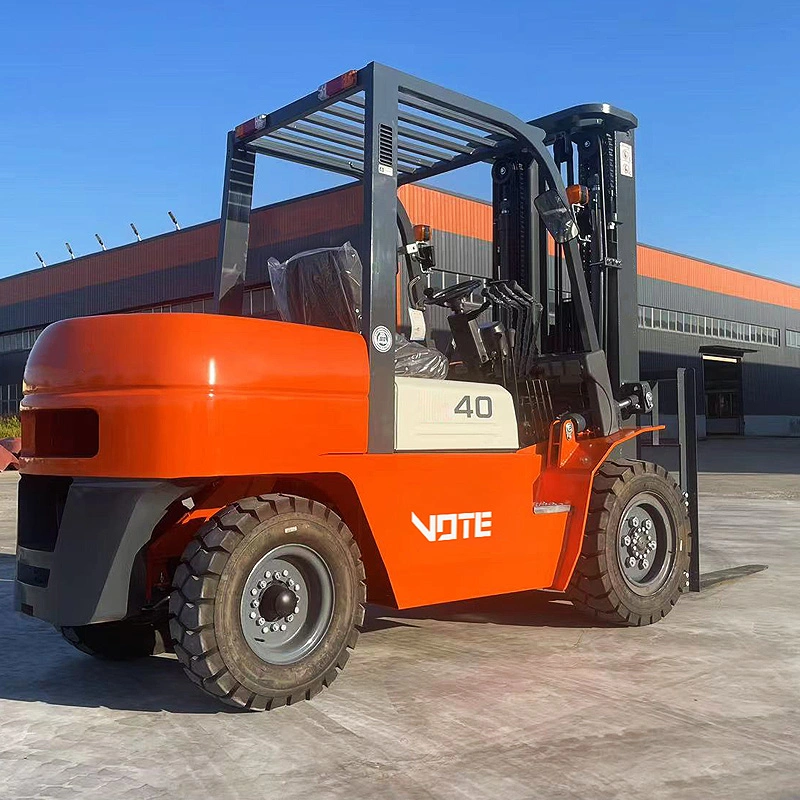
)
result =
(116, 112)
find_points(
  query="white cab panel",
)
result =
(453, 415)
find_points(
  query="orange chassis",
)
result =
(237, 407)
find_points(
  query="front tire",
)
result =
(267, 601)
(634, 561)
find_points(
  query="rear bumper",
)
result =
(79, 543)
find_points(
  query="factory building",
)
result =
(740, 332)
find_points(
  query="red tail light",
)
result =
(340, 84)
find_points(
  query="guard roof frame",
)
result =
(384, 128)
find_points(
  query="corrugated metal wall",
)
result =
(770, 375)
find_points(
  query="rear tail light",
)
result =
(251, 126)
(337, 85)
(60, 433)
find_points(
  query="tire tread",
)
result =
(191, 611)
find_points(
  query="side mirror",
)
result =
(556, 216)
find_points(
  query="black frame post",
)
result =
(623, 311)
(687, 439)
(379, 298)
(237, 202)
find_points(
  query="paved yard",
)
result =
(511, 697)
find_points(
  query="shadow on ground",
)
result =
(38, 666)
(535, 609)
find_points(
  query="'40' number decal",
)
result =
(481, 408)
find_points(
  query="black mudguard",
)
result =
(77, 543)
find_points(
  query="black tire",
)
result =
(212, 583)
(611, 588)
(119, 641)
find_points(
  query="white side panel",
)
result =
(426, 416)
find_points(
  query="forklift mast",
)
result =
(593, 145)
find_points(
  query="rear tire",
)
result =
(634, 561)
(293, 564)
(118, 641)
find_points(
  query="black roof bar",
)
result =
(350, 155)
(358, 133)
(272, 148)
(288, 136)
(402, 130)
(405, 132)
(454, 163)
(421, 104)
(471, 137)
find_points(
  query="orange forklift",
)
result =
(306, 465)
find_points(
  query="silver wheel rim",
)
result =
(287, 604)
(646, 544)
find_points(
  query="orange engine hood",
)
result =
(185, 395)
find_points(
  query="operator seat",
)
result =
(323, 287)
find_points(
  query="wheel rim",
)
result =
(646, 544)
(287, 604)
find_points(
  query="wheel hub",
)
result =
(287, 604)
(646, 543)
(277, 601)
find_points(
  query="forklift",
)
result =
(305, 465)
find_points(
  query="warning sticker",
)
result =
(382, 339)
(418, 329)
(625, 159)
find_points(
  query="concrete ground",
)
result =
(510, 697)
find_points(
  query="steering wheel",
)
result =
(453, 296)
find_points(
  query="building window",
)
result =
(713, 327)
(10, 396)
(19, 340)
(792, 338)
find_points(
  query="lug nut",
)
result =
(645, 564)
(631, 562)
(648, 523)
(297, 609)
(274, 626)
(626, 540)
(283, 627)
(265, 629)
(261, 620)
(254, 592)
(634, 522)
(652, 546)
(290, 617)
(262, 584)
(267, 574)
(253, 615)
(285, 573)
(254, 604)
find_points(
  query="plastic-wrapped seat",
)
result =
(323, 287)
